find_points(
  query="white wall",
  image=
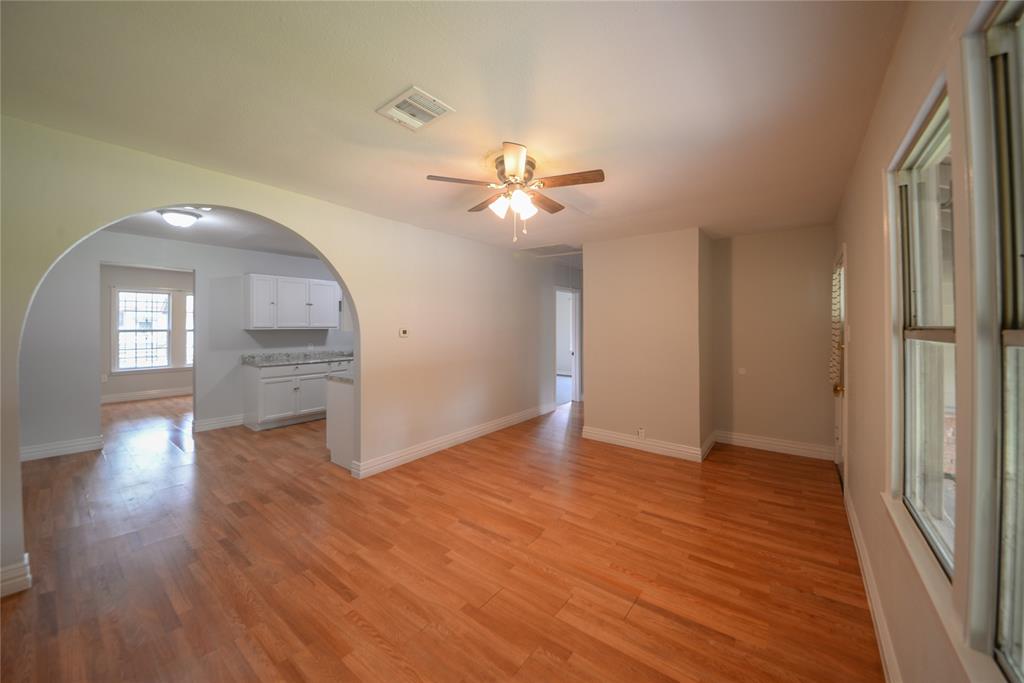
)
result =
(920, 613)
(641, 341)
(126, 386)
(481, 319)
(771, 297)
(61, 374)
(563, 333)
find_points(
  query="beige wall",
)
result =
(481, 319)
(772, 323)
(640, 341)
(707, 341)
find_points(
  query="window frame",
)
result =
(902, 200)
(115, 339)
(190, 327)
(1003, 52)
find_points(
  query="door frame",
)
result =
(576, 348)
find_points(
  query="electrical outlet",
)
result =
(403, 332)
(641, 433)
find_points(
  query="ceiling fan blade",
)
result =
(463, 181)
(485, 203)
(515, 159)
(579, 178)
(546, 203)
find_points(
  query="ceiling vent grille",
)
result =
(414, 109)
(553, 250)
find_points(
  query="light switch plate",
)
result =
(403, 332)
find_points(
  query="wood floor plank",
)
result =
(529, 554)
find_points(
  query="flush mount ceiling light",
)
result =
(517, 188)
(179, 218)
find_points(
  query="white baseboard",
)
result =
(889, 661)
(212, 423)
(674, 450)
(145, 395)
(55, 448)
(708, 444)
(367, 468)
(16, 577)
(768, 443)
(546, 408)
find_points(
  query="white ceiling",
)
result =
(220, 227)
(735, 117)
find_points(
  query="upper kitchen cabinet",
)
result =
(289, 303)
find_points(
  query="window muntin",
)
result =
(189, 329)
(925, 196)
(143, 330)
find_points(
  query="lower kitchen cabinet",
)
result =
(282, 395)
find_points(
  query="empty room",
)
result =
(484, 341)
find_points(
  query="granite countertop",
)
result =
(273, 358)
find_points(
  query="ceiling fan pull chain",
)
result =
(515, 237)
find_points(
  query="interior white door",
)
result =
(312, 395)
(323, 299)
(292, 300)
(278, 398)
(262, 290)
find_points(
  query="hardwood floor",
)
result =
(528, 554)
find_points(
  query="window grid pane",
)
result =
(189, 327)
(1010, 625)
(930, 442)
(143, 322)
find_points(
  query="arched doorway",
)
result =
(70, 352)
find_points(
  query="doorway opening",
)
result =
(567, 345)
(147, 351)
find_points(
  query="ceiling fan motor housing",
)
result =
(499, 166)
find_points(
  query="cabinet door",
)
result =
(312, 394)
(262, 290)
(292, 297)
(323, 300)
(278, 398)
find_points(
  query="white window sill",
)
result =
(980, 667)
(146, 371)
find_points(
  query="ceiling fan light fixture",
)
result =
(179, 218)
(528, 211)
(500, 206)
(520, 201)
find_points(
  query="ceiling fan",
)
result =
(518, 189)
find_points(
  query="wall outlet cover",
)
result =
(641, 433)
(403, 332)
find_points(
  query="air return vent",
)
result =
(553, 250)
(414, 109)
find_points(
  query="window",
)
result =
(925, 196)
(1006, 50)
(143, 329)
(189, 329)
